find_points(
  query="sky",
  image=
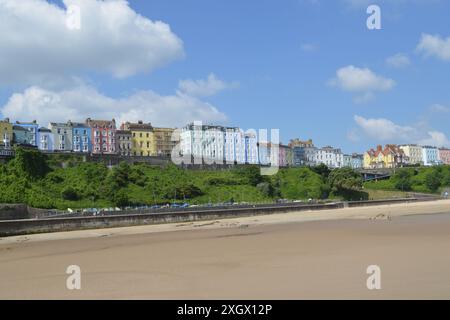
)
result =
(310, 68)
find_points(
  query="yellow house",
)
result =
(389, 157)
(6, 133)
(143, 139)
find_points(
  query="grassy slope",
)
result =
(148, 185)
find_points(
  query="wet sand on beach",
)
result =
(303, 255)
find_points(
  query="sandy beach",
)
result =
(299, 255)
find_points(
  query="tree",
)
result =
(266, 189)
(322, 170)
(433, 180)
(121, 199)
(31, 164)
(70, 193)
(251, 173)
(347, 183)
(187, 190)
(403, 180)
(345, 179)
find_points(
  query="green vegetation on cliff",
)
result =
(65, 181)
(423, 180)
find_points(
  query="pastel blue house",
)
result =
(32, 128)
(81, 138)
(354, 161)
(430, 156)
(21, 136)
(45, 139)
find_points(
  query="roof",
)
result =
(27, 123)
(43, 129)
(192, 126)
(101, 123)
(388, 149)
(19, 128)
(123, 132)
(59, 124)
(163, 129)
(79, 125)
(299, 143)
(137, 126)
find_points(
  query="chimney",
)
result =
(379, 147)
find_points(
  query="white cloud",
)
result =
(351, 78)
(439, 108)
(398, 60)
(435, 138)
(387, 131)
(36, 45)
(309, 47)
(362, 81)
(383, 129)
(434, 46)
(204, 88)
(78, 103)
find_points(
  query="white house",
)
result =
(430, 156)
(332, 157)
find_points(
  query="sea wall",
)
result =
(28, 226)
(13, 211)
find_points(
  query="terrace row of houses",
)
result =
(92, 136)
(226, 144)
(392, 156)
(212, 144)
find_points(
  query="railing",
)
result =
(6, 152)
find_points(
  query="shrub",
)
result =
(69, 193)
(266, 189)
(31, 164)
(403, 180)
(121, 199)
(433, 180)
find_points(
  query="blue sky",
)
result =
(308, 67)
